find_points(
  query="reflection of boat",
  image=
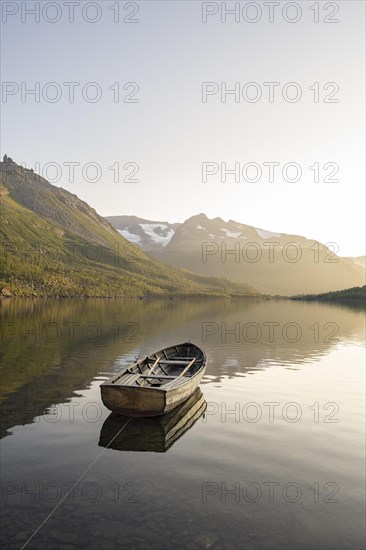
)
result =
(152, 434)
(157, 384)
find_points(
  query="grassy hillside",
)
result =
(52, 243)
(350, 296)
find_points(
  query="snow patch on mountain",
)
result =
(162, 237)
(230, 234)
(266, 234)
(136, 239)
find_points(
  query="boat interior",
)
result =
(163, 369)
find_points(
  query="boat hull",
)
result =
(144, 401)
(178, 395)
(156, 434)
(133, 401)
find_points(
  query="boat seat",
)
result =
(173, 362)
(179, 358)
(156, 376)
(127, 380)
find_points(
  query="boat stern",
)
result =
(133, 401)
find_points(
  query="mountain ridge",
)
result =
(55, 244)
(273, 262)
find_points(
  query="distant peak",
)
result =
(198, 217)
(7, 160)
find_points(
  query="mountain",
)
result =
(358, 260)
(275, 263)
(53, 243)
(150, 236)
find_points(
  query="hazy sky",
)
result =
(169, 131)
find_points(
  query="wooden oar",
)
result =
(151, 370)
(187, 367)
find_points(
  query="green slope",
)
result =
(350, 296)
(52, 243)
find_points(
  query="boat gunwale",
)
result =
(111, 381)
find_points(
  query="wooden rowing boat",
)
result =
(157, 384)
(155, 434)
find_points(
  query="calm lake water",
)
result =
(275, 462)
